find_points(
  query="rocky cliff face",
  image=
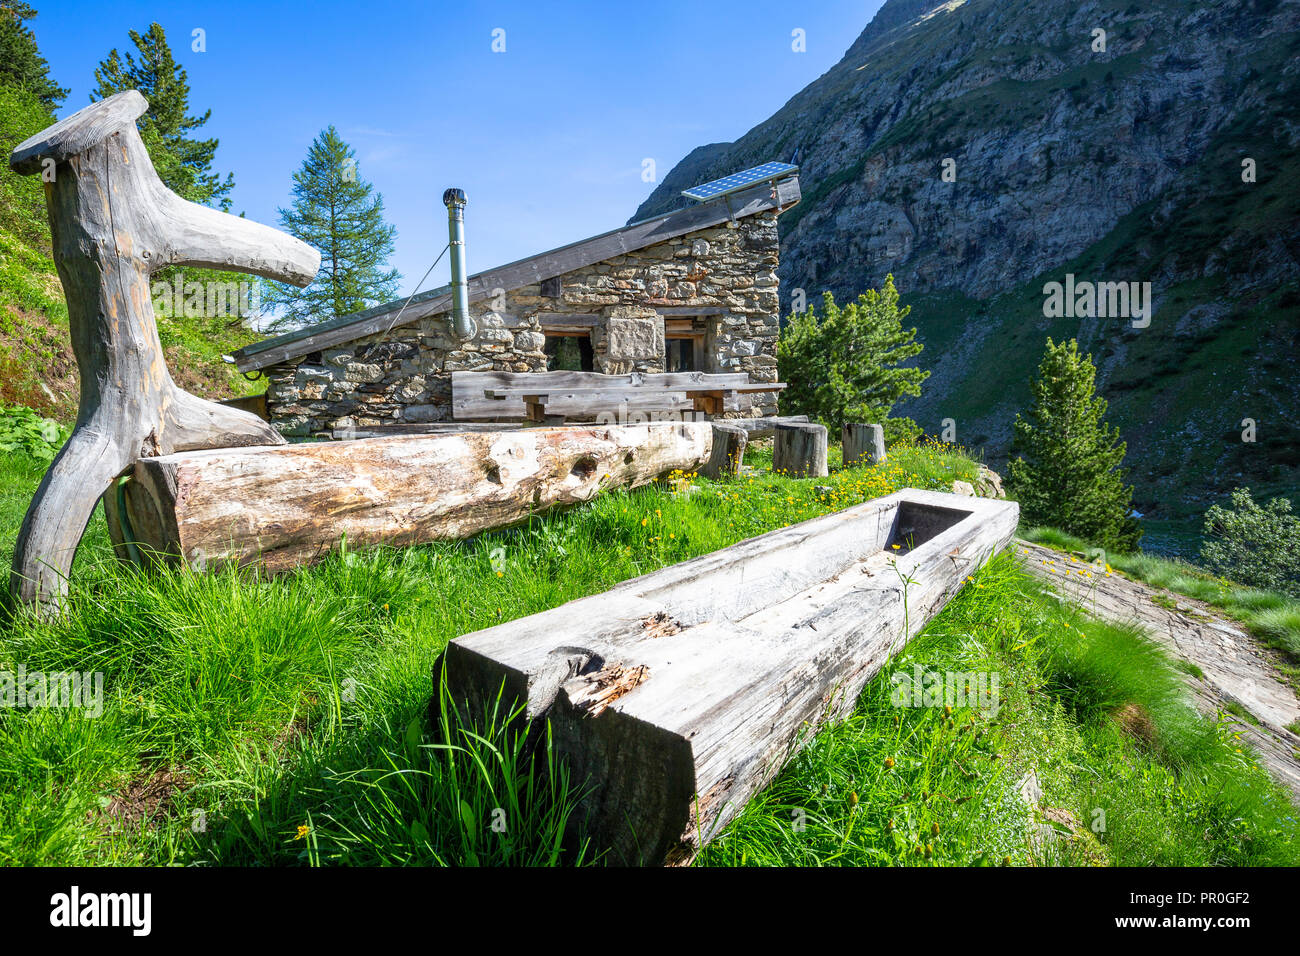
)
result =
(978, 150)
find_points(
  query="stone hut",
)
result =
(690, 290)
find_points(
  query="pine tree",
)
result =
(183, 163)
(334, 211)
(21, 64)
(845, 365)
(1068, 474)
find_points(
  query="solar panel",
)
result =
(738, 181)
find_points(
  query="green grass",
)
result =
(1273, 617)
(284, 721)
(921, 786)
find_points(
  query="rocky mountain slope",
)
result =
(1122, 164)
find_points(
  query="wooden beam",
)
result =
(673, 698)
(287, 506)
(765, 427)
(469, 401)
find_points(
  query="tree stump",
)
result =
(799, 451)
(728, 454)
(113, 223)
(863, 444)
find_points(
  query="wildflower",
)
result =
(889, 763)
(303, 830)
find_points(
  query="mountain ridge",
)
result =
(1122, 164)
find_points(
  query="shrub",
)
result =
(21, 429)
(1255, 544)
(844, 365)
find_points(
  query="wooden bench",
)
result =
(554, 397)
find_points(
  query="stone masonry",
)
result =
(405, 376)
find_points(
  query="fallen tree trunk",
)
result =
(290, 505)
(677, 696)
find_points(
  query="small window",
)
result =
(680, 355)
(569, 353)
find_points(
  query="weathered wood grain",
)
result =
(113, 223)
(677, 696)
(862, 444)
(728, 454)
(290, 505)
(766, 427)
(800, 450)
(471, 401)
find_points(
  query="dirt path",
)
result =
(1235, 667)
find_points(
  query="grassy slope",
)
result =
(281, 722)
(37, 368)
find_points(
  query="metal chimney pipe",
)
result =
(454, 200)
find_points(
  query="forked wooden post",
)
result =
(113, 224)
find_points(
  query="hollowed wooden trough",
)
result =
(678, 695)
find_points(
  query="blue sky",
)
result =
(547, 138)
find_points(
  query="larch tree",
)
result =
(342, 216)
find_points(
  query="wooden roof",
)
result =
(534, 269)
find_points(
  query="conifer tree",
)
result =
(1068, 472)
(340, 214)
(21, 65)
(184, 164)
(846, 363)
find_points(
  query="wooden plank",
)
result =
(651, 384)
(469, 401)
(533, 269)
(724, 666)
(608, 407)
(287, 506)
(765, 427)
